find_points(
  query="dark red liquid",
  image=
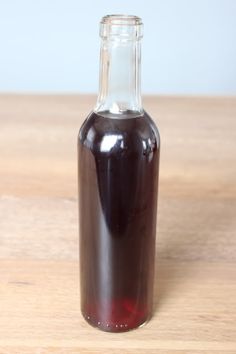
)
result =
(118, 181)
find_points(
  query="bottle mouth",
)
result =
(121, 26)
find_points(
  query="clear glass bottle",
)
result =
(118, 150)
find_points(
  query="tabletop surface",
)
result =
(195, 281)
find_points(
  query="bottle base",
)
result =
(115, 328)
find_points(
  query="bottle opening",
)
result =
(121, 26)
(121, 20)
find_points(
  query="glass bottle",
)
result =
(118, 150)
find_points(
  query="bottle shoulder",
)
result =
(109, 134)
(154, 128)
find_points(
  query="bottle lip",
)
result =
(121, 19)
(125, 27)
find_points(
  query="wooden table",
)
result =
(195, 289)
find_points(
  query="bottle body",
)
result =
(118, 187)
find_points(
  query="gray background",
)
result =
(189, 47)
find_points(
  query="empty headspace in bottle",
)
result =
(121, 26)
(119, 87)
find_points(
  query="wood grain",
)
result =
(195, 288)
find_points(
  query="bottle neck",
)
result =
(119, 86)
